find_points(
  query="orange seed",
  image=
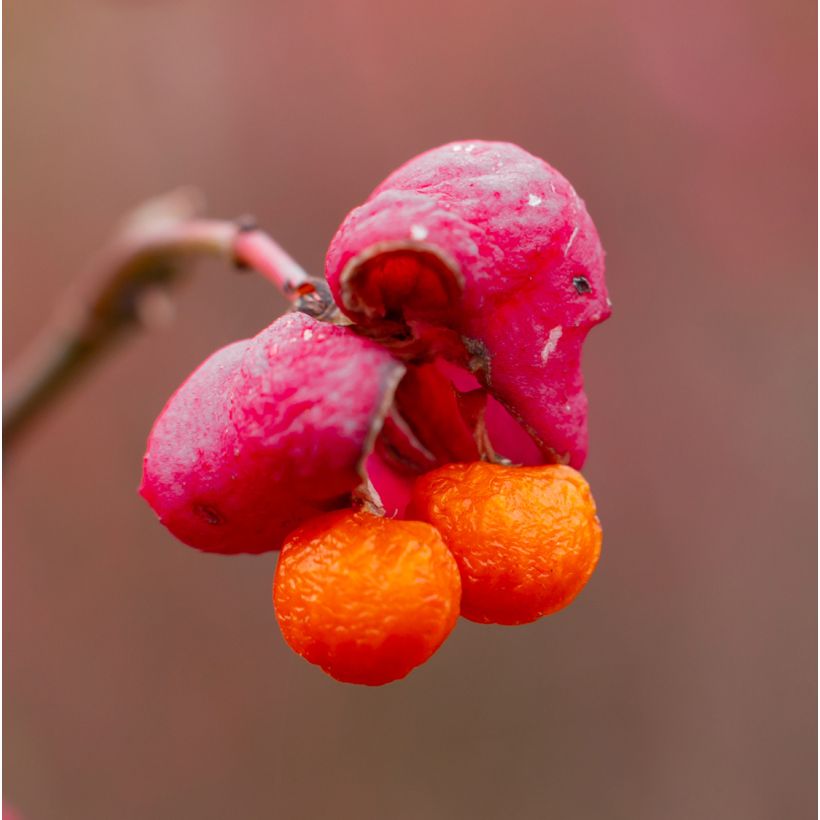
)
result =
(526, 539)
(364, 597)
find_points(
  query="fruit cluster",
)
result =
(414, 456)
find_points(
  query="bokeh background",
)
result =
(144, 680)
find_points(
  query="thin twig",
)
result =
(151, 251)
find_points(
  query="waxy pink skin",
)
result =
(484, 255)
(267, 433)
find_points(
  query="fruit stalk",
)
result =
(127, 286)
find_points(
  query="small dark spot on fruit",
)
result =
(581, 284)
(208, 514)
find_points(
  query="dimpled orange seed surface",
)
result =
(364, 597)
(526, 539)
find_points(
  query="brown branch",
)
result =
(151, 252)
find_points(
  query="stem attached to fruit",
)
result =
(127, 286)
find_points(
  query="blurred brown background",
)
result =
(144, 680)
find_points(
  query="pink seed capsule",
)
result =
(483, 255)
(267, 433)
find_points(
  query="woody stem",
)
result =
(151, 252)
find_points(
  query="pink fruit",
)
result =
(473, 274)
(483, 255)
(267, 433)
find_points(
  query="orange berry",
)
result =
(364, 597)
(526, 539)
